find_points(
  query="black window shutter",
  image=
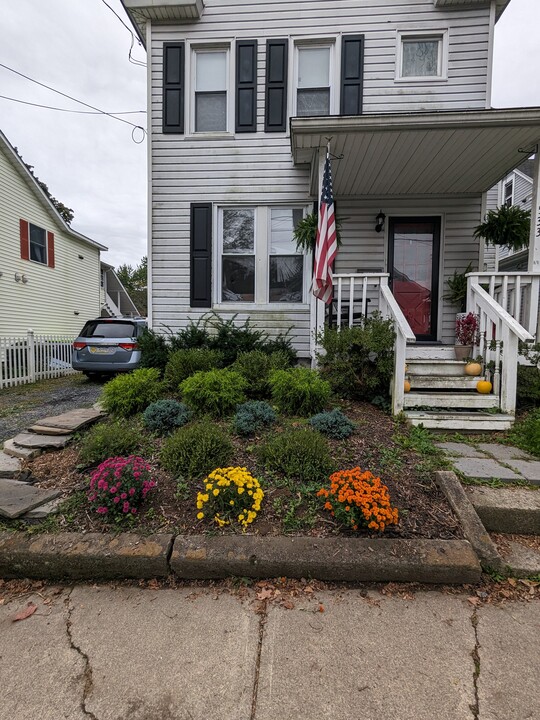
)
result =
(201, 255)
(352, 74)
(246, 86)
(276, 85)
(173, 87)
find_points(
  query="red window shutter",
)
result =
(50, 249)
(25, 241)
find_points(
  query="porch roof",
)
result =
(417, 153)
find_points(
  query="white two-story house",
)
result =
(245, 98)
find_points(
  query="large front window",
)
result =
(211, 90)
(259, 262)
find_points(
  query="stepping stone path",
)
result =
(17, 497)
(490, 461)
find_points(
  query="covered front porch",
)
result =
(428, 174)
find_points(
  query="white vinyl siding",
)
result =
(47, 303)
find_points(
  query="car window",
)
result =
(109, 329)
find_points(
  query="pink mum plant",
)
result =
(119, 486)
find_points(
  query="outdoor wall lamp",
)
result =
(381, 217)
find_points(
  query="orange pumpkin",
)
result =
(407, 386)
(484, 387)
(473, 368)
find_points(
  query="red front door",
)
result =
(414, 245)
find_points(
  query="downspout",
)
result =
(491, 43)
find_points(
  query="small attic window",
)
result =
(422, 56)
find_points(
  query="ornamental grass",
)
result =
(358, 498)
(231, 495)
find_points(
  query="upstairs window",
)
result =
(421, 56)
(211, 72)
(509, 193)
(38, 244)
(313, 67)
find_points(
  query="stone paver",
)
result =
(457, 449)
(44, 510)
(507, 510)
(359, 660)
(505, 453)
(72, 420)
(19, 452)
(484, 469)
(524, 562)
(9, 466)
(34, 440)
(529, 469)
(43, 430)
(508, 687)
(17, 498)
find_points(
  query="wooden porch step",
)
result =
(430, 352)
(435, 366)
(461, 421)
(474, 401)
(443, 382)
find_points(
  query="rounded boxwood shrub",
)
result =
(216, 392)
(131, 393)
(300, 455)
(299, 391)
(255, 367)
(252, 416)
(334, 424)
(195, 450)
(184, 363)
(164, 416)
(112, 438)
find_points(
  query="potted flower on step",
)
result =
(466, 335)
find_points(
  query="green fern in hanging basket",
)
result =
(508, 226)
(305, 233)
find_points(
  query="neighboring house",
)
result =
(245, 97)
(49, 273)
(514, 189)
(115, 299)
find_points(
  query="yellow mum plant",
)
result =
(230, 495)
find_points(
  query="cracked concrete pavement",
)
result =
(193, 653)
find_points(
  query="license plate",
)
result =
(102, 350)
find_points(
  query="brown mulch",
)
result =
(530, 541)
(424, 511)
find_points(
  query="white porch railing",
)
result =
(355, 296)
(34, 357)
(500, 332)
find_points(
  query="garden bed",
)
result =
(403, 458)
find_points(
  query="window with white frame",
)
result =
(509, 193)
(211, 82)
(421, 56)
(38, 244)
(258, 260)
(313, 79)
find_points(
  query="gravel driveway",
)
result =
(23, 405)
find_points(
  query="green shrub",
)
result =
(131, 393)
(154, 350)
(299, 391)
(194, 335)
(112, 438)
(184, 363)
(196, 450)
(334, 424)
(255, 367)
(526, 433)
(358, 362)
(165, 416)
(216, 392)
(528, 386)
(252, 416)
(299, 454)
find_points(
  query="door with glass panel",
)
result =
(413, 263)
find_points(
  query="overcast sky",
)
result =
(90, 162)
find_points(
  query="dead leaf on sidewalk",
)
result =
(474, 601)
(265, 594)
(30, 609)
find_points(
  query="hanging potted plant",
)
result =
(466, 335)
(508, 226)
(305, 233)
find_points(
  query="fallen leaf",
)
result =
(264, 594)
(321, 608)
(287, 604)
(474, 601)
(512, 582)
(30, 609)
(308, 589)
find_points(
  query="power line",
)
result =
(81, 102)
(79, 112)
(133, 38)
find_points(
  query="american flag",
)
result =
(326, 243)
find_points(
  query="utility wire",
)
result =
(133, 38)
(79, 112)
(81, 102)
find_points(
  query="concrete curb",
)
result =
(507, 510)
(472, 526)
(127, 555)
(86, 556)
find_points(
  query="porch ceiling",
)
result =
(418, 153)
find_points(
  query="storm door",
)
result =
(413, 261)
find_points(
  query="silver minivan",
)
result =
(108, 345)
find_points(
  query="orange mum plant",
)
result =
(359, 498)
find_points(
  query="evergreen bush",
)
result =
(165, 416)
(196, 449)
(299, 454)
(299, 391)
(334, 424)
(255, 367)
(112, 438)
(131, 393)
(184, 363)
(252, 416)
(216, 392)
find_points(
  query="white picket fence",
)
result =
(34, 357)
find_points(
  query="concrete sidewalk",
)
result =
(199, 654)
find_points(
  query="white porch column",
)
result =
(534, 240)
